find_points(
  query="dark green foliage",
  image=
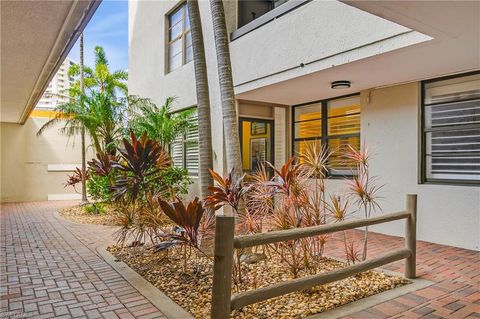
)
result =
(98, 188)
(173, 181)
(158, 122)
(95, 208)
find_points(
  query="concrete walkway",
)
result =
(50, 269)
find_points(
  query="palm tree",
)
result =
(84, 160)
(97, 113)
(158, 122)
(98, 110)
(100, 77)
(230, 123)
(203, 99)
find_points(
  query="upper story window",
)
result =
(184, 150)
(334, 124)
(451, 129)
(180, 50)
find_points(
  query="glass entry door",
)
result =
(256, 142)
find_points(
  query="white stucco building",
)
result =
(412, 93)
(56, 92)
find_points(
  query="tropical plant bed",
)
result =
(79, 214)
(191, 289)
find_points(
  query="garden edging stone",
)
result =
(149, 291)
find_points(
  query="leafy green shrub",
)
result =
(95, 208)
(98, 188)
(174, 181)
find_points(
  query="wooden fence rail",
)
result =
(225, 242)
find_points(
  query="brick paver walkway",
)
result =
(50, 269)
(454, 271)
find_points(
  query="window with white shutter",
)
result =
(451, 129)
(184, 150)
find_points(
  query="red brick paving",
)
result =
(454, 271)
(50, 269)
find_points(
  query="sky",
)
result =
(109, 29)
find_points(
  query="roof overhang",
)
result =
(36, 38)
(454, 47)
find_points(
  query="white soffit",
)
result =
(443, 39)
(36, 38)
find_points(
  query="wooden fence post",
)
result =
(222, 267)
(411, 236)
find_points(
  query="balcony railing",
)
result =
(267, 17)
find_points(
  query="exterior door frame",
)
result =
(272, 134)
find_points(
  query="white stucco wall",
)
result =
(447, 214)
(390, 122)
(36, 167)
(147, 74)
(319, 34)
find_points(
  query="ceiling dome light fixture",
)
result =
(340, 84)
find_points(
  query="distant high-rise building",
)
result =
(57, 90)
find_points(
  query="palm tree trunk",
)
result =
(84, 163)
(203, 99)
(230, 120)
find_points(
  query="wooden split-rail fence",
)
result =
(225, 243)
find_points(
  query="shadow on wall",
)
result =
(25, 158)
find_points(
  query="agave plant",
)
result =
(227, 192)
(138, 162)
(76, 178)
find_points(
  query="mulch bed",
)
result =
(78, 214)
(192, 289)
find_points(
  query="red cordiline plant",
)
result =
(193, 225)
(227, 192)
(76, 178)
(134, 184)
(138, 163)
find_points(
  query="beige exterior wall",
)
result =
(390, 127)
(25, 158)
(390, 116)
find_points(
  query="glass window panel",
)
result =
(300, 147)
(189, 47)
(349, 124)
(187, 19)
(456, 89)
(175, 31)
(453, 113)
(308, 129)
(175, 61)
(175, 48)
(452, 129)
(338, 162)
(175, 55)
(344, 106)
(176, 17)
(308, 112)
